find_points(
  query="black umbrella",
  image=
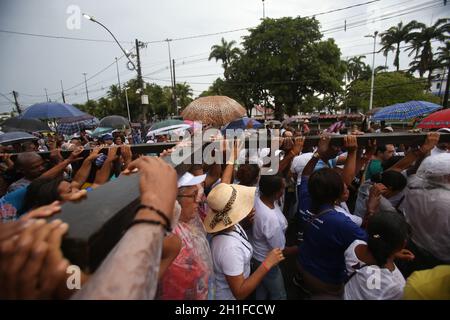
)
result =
(29, 125)
(116, 122)
(15, 137)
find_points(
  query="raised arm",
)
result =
(83, 173)
(131, 269)
(104, 173)
(59, 168)
(349, 172)
(293, 152)
(430, 142)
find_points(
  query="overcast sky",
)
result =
(30, 64)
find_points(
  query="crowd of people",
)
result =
(371, 221)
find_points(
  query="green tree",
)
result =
(389, 88)
(392, 38)
(184, 94)
(286, 60)
(226, 52)
(355, 67)
(421, 46)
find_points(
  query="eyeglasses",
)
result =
(194, 195)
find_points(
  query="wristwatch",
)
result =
(316, 155)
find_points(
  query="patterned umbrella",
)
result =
(215, 110)
(27, 125)
(405, 111)
(51, 110)
(437, 120)
(76, 125)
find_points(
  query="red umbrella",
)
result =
(437, 120)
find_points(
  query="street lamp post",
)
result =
(128, 106)
(374, 36)
(127, 54)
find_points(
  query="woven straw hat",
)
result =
(228, 204)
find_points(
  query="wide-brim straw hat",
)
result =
(228, 204)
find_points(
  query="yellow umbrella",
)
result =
(214, 110)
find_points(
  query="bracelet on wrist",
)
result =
(159, 213)
(146, 221)
(265, 265)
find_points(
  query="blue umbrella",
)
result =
(75, 126)
(405, 111)
(51, 110)
(243, 123)
(15, 137)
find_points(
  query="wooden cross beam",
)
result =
(96, 224)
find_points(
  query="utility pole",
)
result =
(141, 83)
(128, 106)
(264, 10)
(19, 110)
(174, 89)
(46, 95)
(118, 76)
(85, 85)
(171, 73)
(62, 93)
(373, 68)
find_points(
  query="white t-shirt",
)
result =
(268, 228)
(344, 209)
(299, 163)
(231, 253)
(370, 282)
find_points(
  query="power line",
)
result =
(341, 9)
(6, 97)
(58, 37)
(173, 39)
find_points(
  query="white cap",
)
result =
(447, 130)
(189, 179)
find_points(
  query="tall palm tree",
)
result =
(184, 94)
(226, 52)
(392, 38)
(355, 67)
(421, 44)
(444, 60)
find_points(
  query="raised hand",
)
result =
(350, 143)
(75, 155)
(298, 145)
(430, 142)
(158, 183)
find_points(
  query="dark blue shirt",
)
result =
(325, 240)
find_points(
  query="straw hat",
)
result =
(228, 204)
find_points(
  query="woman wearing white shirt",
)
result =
(231, 251)
(269, 229)
(373, 274)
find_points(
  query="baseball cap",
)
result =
(189, 179)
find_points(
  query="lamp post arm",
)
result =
(118, 43)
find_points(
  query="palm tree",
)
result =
(444, 60)
(366, 73)
(393, 37)
(421, 45)
(226, 52)
(355, 67)
(184, 94)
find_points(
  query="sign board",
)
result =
(144, 99)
